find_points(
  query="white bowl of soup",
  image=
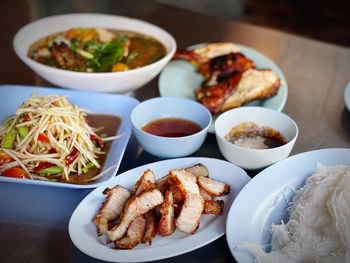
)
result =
(94, 52)
(255, 137)
(170, 127)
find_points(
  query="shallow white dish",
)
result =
(347, 96)
(179, 79)
(119, 82)
(83, 232)
(265, 198)
(11, 97)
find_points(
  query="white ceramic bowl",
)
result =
(119, 82)
(158, 108)
(255, 158)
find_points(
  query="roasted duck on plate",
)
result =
(223, 76)
(230, 78)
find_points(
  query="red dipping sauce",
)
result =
(172, 127)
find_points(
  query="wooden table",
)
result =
(316, 73)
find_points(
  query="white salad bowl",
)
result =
(117, 82)
(248, 158)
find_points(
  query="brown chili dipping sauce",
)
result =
(250, 135)
(172, 127)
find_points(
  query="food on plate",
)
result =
(112, 208)
(134, 234)
(213, 187)
(131, 217)
(250, 135)
(190, 213)
(151, 228)
(205, 53)
(136, 206)
(193, 204)
(230, 79)
(172, 127)
(97, 50)
(213, 207)
(198, 170)
(318, 227)
(166, 225)
(50, 139)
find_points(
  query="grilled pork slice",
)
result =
(145, 182)
(166, 225)
(188, 219)
(178, 194)
(162, 183)
(111, 208)
(213, 207)
(213, 187)
(177, 209)
(134, 234)
(198, 169)
(151, 228)
(185, 181)
(136, 206)
(205, 194)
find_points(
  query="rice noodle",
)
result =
(64, 127)
(319, 226)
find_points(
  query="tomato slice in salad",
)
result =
(43, 138)
(15, 172)
(4, 157)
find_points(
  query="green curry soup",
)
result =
(97, 50)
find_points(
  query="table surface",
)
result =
(316, 73)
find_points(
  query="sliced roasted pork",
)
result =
(151, 227)
(111, 208)
(205, 194)
(166, 225)
(185, 181)
(145, 182)
(191, 210)
(134, 234)
(136, 206)
(213, 187)
(188, 219)
(213, 207)
(178, 194)
(162, 183)
(198, 169)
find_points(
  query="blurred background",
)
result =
(326, 20)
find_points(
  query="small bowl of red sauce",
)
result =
(170, 127)
(255, 137)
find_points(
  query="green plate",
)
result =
(180, 78)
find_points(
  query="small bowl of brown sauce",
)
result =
(255, 137)
(170, 127)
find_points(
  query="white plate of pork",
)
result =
(157, 210)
